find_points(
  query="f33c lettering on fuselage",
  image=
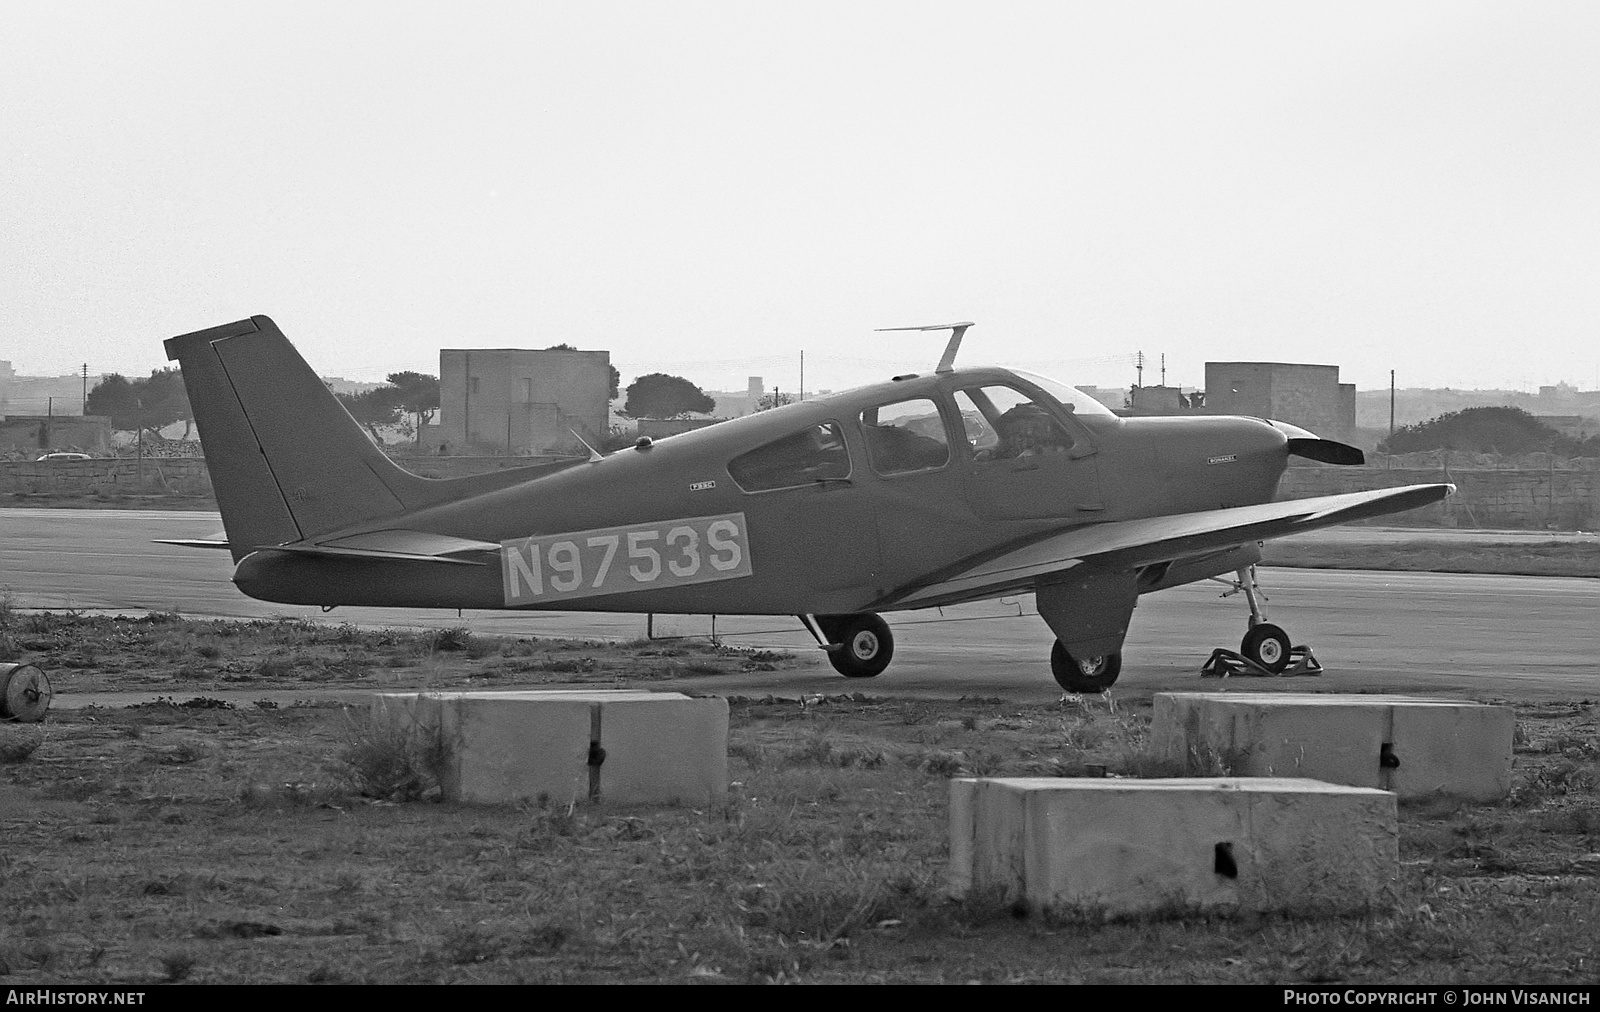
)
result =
(615, 560)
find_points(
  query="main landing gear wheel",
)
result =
(1267, 645)
(1088, 674)
(865, 645)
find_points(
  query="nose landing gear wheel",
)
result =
(1088, 674)
(865, 644)
(1267, 645)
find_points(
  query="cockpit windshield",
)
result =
(1082, 403)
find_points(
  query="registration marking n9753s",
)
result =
(615, 560)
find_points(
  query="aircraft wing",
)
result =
(1123, 544)
(394, 543)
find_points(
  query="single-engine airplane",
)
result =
(926, 490)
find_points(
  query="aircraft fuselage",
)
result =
(670, 528)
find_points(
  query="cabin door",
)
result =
(1025, 463)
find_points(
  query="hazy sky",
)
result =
(708, 188)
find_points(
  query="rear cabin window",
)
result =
(905, 436)
(814, 454)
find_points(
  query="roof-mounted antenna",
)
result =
(594, 454)
(947, 361)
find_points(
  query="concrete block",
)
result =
(1121, 847)
(1413, 746)
(564, 746)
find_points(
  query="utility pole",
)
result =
(86, 388)
(1163, 368)
(1138, 368)
(802, 374)
(1391, 407)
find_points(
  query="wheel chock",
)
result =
(1230, 664)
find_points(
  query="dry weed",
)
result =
(19, 741)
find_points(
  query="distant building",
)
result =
(1111, 397)
(1163, 400)
(515, 400)
(734, 404)
(1309, 396)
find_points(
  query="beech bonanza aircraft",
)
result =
(927, 490)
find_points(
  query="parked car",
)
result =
(66, 456)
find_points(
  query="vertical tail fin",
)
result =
(287, 461)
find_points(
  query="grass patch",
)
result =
(388, 762)
(293, 848)
(88, 653)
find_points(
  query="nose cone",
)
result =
(1305, 443)
(1290, 430)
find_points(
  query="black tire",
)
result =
(1266, 645)
(1070, 674)
(866, 646)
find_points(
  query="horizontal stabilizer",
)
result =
(192, 542)
(417, 546)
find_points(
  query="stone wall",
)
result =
(122, 475)
(1554, 499)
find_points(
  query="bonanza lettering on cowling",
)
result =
(615, 560)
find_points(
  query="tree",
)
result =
(115, 398)
(166, 400)
(658, 395)
(774, 400)
(373, 408)
(418, 394)
(1481, 430)
(148, 404)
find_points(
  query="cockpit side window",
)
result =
(813, 454)
(1003, 423)
(905, 436)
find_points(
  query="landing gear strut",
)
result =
(1265, 646)
(858, 646)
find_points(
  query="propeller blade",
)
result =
(1326, 450)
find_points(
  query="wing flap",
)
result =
(1128, 543)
